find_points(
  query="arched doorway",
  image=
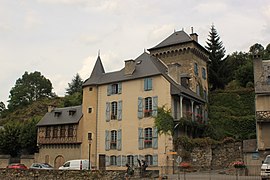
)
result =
(59, 161)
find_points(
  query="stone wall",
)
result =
(216, 156)
(11, 174)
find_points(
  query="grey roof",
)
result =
(64, 117)
(146, 65)
(177, 37)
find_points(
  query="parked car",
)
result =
(40, 166)
(78, 164)
(16, 166)
(265, 168)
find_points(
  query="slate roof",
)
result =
(64, 117)
(178, 37)
(146, 66)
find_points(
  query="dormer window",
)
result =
(71, 112)
(57, 113)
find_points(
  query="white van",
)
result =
(78, 164)
(265, 168)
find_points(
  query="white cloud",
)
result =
(89, 39)
(31, 20)
(158, 33)
(211, 7)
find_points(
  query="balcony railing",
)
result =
(263, 116)
(59, 140)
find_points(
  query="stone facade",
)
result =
(262, 101)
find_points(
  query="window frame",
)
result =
(113, 140)
(196, 69)
(148, 137)
(113, 160)
(114, 109)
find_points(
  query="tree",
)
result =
(75, 85)
(29, 88)
(217, 65)
(256, 49)
(164, 121)
(9, 136)
(28, 135)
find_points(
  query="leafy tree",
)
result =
(9, 136)
(237, 62)
(28, 135)
(244, 74)
(2, 106)
(256, 49)
(73, 100)
(217, 65)
(164, 121)
(267, 52)
(75, 85)
(29, 88)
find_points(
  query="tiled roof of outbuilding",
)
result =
(58, 116)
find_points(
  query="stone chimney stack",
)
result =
(50, 108)
(129, 67)
(193, 35)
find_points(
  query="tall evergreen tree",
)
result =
(216, 68)
(75, 85)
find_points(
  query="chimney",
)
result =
(173, 71)
(193, 35)
(129, 67)
(50, 108)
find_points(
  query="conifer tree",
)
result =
(216, 68)
(75, 86)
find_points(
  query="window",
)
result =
(148, 84)
(149, 159)
(90, 89)
(115, 88)
(203, 73)
(148, 138)
(113, 161)
(268, 80)
(62, 131)
(148, 107)
(48, 132)
(113, 139)
(114, 110)
(70, 131)
(130, 160)
(196, 69)
(55, 131)
(89, 110)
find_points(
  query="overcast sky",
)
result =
(60, 38)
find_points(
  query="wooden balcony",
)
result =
(263, 116)
(59, 140)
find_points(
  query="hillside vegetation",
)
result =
(232, 113)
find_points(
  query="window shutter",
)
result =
(107, 140)
(107, 159)
(108, 105)
(140, 107)
(124, 160)
(150, 84)
(145, 84)
(109, 90)
(155, 160)
(119, 113)
(118, 160)
(155, 106)
(119, 139)
(155, 138)
(140, 138)
(119, 88)
(136, 160)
